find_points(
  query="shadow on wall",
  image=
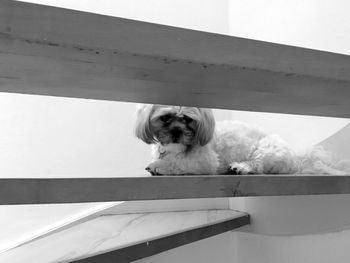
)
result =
(339, 143)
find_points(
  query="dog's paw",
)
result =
(158, 168)
(152, 171)
(240, 168)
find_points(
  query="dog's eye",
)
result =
(165, 118)
(187, 119)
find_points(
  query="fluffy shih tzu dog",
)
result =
(186, 141)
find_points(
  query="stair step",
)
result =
(127, 237)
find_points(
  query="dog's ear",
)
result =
(206, 126)
(142, 127)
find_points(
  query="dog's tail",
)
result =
(319, 161)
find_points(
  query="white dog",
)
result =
(186, 142)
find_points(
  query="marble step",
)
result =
(126, 237)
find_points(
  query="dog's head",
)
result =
(173, 124)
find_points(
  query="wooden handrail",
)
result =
(76, 190)
(58, 52)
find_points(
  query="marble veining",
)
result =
(110, 232)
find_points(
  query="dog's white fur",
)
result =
(186, 142)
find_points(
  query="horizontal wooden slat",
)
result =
(75, 190)
(52, 51)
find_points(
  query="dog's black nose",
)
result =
(176, 133)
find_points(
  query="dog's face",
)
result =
(173, 124)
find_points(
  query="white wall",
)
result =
(316, 24)
(204, 15)
(58, 137)
(325, 248)
(300, 131)
(295, 215)
(217, 249)
(294, 229)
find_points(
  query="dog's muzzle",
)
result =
(176, 134)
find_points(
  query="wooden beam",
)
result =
(76, 190)
(59, 52)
